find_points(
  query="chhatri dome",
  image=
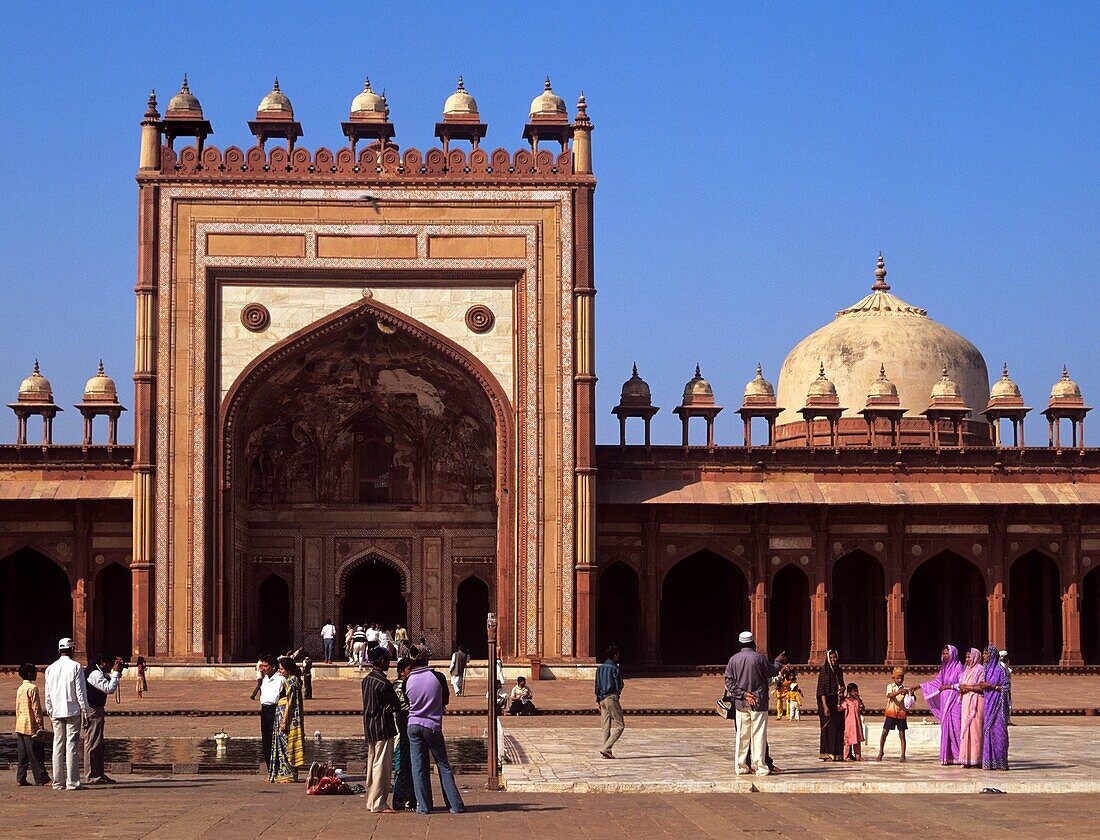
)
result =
(460, 103)
(369, 102)
(882, 331)
(35, 388)
(275, 102)
(548, 102)
(100, 388)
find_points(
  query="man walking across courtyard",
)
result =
(380, 703)
(748, 674)
(66, 704)
(609, 687)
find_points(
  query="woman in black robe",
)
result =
(830, 689)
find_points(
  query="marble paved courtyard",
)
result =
(1046, 757)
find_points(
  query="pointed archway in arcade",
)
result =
(618, 612)
(1034, 611)
(273, 616)
(789, 614)
(704, 605)
(373, 594)
(113, 612)
(471, 613)
(1090, 618)
(36, 607)
(946, 606)
(857, 609)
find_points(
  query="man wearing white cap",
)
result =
(748, 674)
(66, 704)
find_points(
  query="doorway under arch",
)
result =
(704, 605)
(617, 612)
(1090, 618)
(471, 612)
(113, 612)
(28, 577)
(373, 594)
(1034, 611)
(857, 609)
(789, 614)
(946, 606)
(273, 616)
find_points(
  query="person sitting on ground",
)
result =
(897, 695)
(519, 701)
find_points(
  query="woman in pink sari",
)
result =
(973, 709)
(942, 694)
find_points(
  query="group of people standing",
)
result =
(76, 700)
(971, 700)
(360, 639)
(282, 732)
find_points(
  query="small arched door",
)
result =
(471, 612)
(273, 616)
(113, 613)
(789, 614)
(28, 578)
(618, 612)
(1034, 611)
(373, 595)
(704, 605)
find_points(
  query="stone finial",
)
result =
(880, 276)
(461, 83)
(635, 371)
(151, 112)
(275, 86)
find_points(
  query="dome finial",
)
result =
(759, 369)
(185, 88)
(881, 371)
(547, 83)
(366, 83)
(635, 372)
(1004, 371)
(698, 372)
(1065, 371)
(36, 366)
(100, 372)
(276, 85)
(880, 276)
(820, 370)
(461, 84)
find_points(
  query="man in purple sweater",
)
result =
(428, 694)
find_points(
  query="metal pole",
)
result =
(492, 745)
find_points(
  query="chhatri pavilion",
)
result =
(365, 391)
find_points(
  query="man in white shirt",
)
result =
(66, 703)
(328, 640)
(102, 681)
(372, 637)
(271, 687)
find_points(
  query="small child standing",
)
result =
(794, 702)
(142, 683)
(852, 707)
(897, 696)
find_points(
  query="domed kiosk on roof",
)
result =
(881, 330)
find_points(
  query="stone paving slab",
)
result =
(180, 808)
(1045, 759)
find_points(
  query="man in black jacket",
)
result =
(380, 703)
(102, 682)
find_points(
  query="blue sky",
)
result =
(753, 158)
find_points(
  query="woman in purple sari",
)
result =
(942, 694)
(995, 728)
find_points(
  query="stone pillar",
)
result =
(819, 599)
(651, 598)
(895, 626)
(997, 628)
(83, 589)
(584, 401)
(1071, 600)
(758, 614)
(147, 640)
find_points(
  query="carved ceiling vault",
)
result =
(369, 416)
